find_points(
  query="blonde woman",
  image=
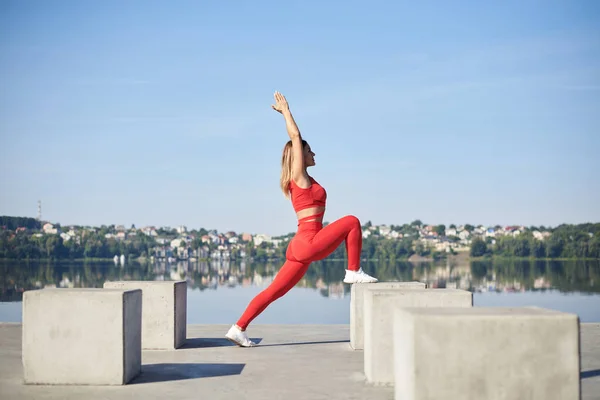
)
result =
(312, 242)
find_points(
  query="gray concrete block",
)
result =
(164, 313)
(357, 307)
(81, 336)
(379, 323)
(486, 353)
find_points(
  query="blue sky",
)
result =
(158, 113)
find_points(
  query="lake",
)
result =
(219, 291)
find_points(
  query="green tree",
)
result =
(478, 247)
(440, 230)
(555, 246)
(522, 247)
(538, 248)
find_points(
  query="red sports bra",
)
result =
(313, 196)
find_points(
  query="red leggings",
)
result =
(311, 243)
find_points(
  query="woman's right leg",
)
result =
(309, 248)
(325, 241)
(290, 273)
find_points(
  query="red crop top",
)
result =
(313, 196)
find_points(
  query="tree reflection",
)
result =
(324, 276)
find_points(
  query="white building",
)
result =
(464, 235)
(395, 235)
(384, 230)
(176, 243)
(49, 229)
(261, 237)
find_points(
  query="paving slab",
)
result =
(291, 362)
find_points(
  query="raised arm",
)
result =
(298, 169)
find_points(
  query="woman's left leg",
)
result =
(290, 273)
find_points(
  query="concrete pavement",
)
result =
(291, 362)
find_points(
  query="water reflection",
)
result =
(326, 276)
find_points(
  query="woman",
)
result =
(312, 242)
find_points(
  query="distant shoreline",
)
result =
(411, 259)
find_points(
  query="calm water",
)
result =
(218, 292)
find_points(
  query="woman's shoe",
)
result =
(358, 277)
(239, 337)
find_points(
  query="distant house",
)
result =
(260, 238)
(384, 230)
(246, 237)
(395, 235)
(176, 243)
(48, 228)
(464, 235)
(149, 231)
(277, 242)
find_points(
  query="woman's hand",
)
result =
(281, 104)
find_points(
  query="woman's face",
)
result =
(309, 156)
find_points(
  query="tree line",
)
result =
(565, 241)
(91, 245)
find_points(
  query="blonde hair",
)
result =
(286, 167)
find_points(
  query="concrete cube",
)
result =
(164, 314)
(81, 336)
(357, 307)
(379, 323)
(486, 353)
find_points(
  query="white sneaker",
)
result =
(358, 277)
(239, 337)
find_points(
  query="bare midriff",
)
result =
(306, 213)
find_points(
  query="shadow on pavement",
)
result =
(589, 374)
(196, 343)
(301, 343)
(176, 372)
